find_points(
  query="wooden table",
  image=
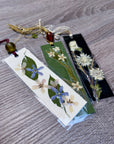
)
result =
(23, 120)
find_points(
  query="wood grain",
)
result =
(23, 120)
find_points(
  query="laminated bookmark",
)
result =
(58, 61)
(91, 75)
(49, 89)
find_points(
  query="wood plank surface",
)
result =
(23, 120)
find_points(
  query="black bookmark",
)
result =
(76, 51)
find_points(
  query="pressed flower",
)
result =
(84, 59)
(61, 57)
(97, 73)
(59, 94)
(40, 85)
(76, 86)
(73, 46)
(53, 84)
(51, 54)
(21, 67)
(35, 70)
(56, 49)
(70, 102)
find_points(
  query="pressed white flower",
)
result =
(84, 59)
(61, 57)
(97, 73)
(53, 84)
(51, 54)
(70, 102)
(21, 67)
(40, 85)
(76, 86)
(56, 49)
(73, 46)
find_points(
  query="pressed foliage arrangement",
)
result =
(86, 64)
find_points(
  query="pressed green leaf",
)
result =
(34, 36)
(51, 93)
(79, 49)
(29, 62)
(93, 87)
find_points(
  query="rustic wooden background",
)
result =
(23, 120)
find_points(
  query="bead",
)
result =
(50, 36)
(10, 47)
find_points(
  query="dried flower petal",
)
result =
(51, 54)
(97, 74)
(76, 86)
(56, 49)
(84, 59)
(61, 57)
(73, 46)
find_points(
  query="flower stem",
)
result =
(65, 111)
(69, 70)
(92, 63)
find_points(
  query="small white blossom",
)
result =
(73, 46)
(53, 84)
(84, 59)
(51, 54)
(40, 85)
(71, 103)
(56, 49)
(97, 74)
(61, 57)
(21, 67)
(76, 86)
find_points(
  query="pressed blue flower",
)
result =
(59, 94)
(35, 70)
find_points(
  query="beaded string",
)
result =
(50, 35)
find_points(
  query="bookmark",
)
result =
(58, 61)
(90, 73)
(52, 91)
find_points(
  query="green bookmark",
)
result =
(58, 61)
